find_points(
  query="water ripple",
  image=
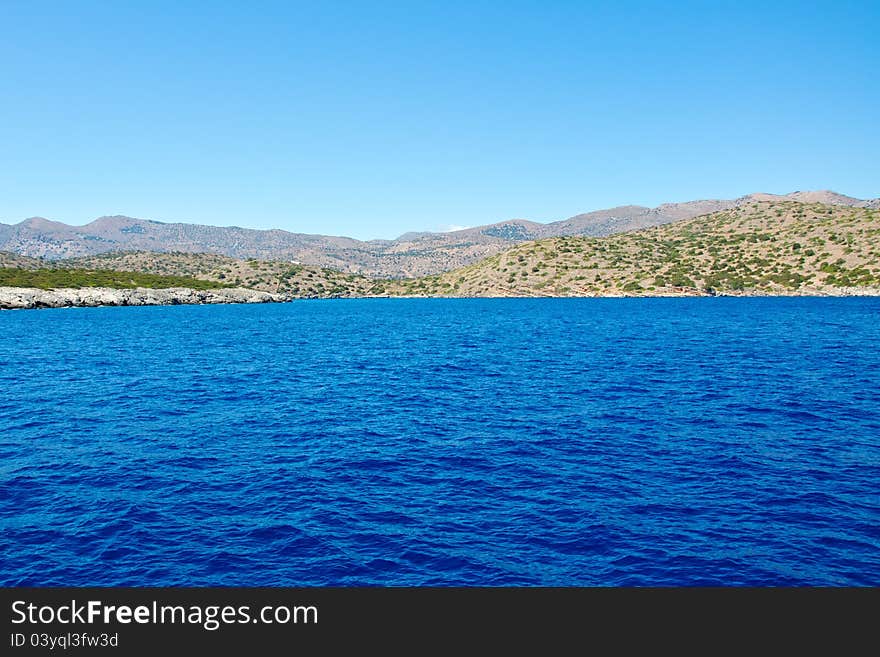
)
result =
(443, 442)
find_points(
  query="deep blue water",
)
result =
(440, 442)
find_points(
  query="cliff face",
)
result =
(28, 297)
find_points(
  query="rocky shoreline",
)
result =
(12, 298)
(781, 292)
(27, 297)
(680, 293)
(807, 292)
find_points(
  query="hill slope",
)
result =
(49, 279)
(268, 276)
(22, 262)
(412, 254)
(763, 247)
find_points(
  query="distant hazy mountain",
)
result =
(412, 254)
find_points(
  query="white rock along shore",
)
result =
(29, 297)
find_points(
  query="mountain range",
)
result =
(410, 255)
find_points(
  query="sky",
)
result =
(370, 119)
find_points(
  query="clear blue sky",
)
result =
(371, 119)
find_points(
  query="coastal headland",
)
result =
(762, 246)
(23, 297)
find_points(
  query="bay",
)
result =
(708, 441)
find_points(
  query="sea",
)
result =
(443, 442)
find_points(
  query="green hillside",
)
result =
(764, 247)
(268, 275)
(760, 248)
(75, 278)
